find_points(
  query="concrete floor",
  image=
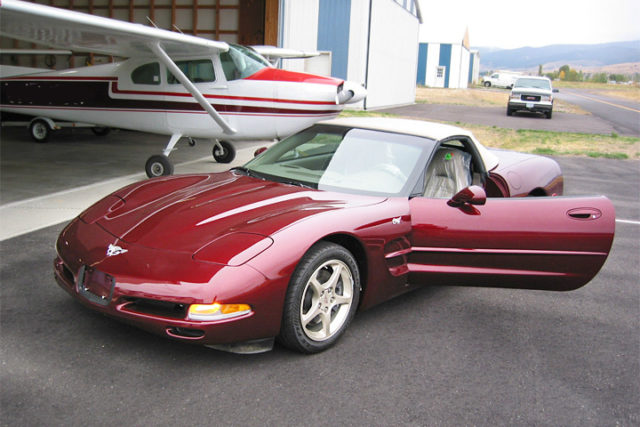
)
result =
(45, 184)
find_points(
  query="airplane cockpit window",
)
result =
(240, 62)
(147, 74)
(198, 71)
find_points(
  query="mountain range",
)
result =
(554, 56)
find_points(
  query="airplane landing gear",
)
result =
(223, 152)
(39, 130)
(158, 165)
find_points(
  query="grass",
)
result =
(610, 146)
(558, 143)
(480, 97)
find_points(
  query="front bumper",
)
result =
(540, 107)
(136, 294)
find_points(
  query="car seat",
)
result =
(448, 173)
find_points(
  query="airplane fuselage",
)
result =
(140, 94)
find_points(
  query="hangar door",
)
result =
(249, 22)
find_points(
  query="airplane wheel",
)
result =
(39, 131)
(100, 131)
(226, 155)
(158, 165)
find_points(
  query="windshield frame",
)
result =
(240, 62)
(425, 147)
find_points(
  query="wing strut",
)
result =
(191, 88)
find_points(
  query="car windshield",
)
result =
(343, 159)
(533, 83)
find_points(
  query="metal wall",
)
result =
(373, 42)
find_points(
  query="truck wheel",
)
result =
(549, 114)
(487, 84)
(39, 130)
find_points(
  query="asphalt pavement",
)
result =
(606, 115)
(436, 356)
(622, 114)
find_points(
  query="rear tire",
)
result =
(39, 130)
(486, 84)
(321, 300)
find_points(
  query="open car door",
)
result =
(547, 243)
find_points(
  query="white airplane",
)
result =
(172, 84)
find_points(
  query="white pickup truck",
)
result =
(500, 80)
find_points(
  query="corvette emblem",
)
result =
(113, 250)
(396, 220)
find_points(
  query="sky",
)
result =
(509, 24)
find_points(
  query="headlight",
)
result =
(216, 311)
(546, 98)
(514, 96)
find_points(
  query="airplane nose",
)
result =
(351, 92)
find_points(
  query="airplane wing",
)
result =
(273, 53)
(81, 32)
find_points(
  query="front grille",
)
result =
(156, 308)
(534, 98)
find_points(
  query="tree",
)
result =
(540, 69)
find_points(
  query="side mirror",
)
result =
(259, 151)
(473, 195)
(556, 90)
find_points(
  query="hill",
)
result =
(554, 56)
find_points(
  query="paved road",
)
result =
(624, 115)
(607, 116)
(437, 356)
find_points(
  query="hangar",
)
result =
(372, 42)
(376, 44)
(445, 58)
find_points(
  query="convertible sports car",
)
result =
(337, 218)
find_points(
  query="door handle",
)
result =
(584, 214)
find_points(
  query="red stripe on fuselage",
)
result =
(117, 90)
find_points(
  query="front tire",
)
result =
(224, 155)
(321, 300)
(549, 114)
(487, 84)
(158, 165)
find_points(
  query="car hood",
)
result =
(186, 213)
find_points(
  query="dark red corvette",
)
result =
(339, 217)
